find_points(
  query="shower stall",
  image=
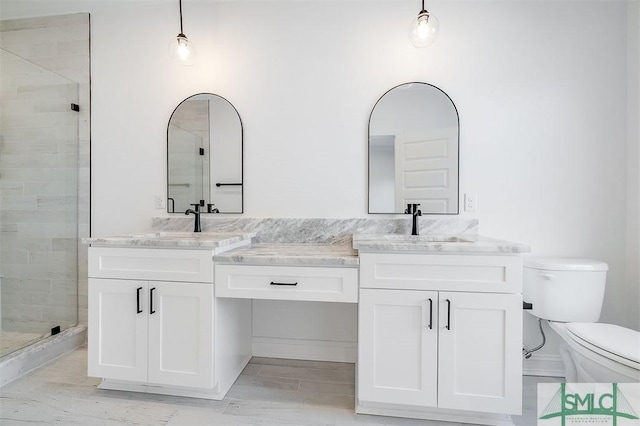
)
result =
(39, 124)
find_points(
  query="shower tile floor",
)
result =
(269, 392)
(11, 341)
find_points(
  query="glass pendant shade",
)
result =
(424, 29)
(182, 50)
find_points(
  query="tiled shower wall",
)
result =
(59, 44)
(38, 204)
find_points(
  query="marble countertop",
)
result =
(436, 244)
(292, 254)
(235, 247)
(181, 240)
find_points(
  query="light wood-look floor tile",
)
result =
(269, 392)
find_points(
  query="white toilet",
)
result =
(569, 292)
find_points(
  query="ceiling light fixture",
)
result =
(180, 48)
(424, 29)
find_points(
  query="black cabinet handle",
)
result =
(430, 314)
(289, 284)
(448, 314)
(138, 309)
(151, 311)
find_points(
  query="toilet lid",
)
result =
(610, 340)
(564, 264)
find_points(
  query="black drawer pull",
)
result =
(151, 310)
(138, 310)
(289, 284)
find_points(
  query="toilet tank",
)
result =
(564, 289)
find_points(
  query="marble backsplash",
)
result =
(318, 231)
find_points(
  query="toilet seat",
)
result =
(609, 340)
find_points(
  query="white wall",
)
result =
(540, 92)
(632, 288)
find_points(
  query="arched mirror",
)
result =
(204, 156)
(413, 151)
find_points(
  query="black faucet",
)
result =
(412, 209)
(196, 225)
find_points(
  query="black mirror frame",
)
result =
(369, 149)
(241, 183)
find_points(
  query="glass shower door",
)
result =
(38, 202)
(186, 170)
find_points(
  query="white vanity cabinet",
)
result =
(151, 331)
(438, 334)
(300, 283)
(303, 298)
(154, 323)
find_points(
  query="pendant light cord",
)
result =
(181, 30)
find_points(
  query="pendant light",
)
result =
(181, 48)
(424, 29)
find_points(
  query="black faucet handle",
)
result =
(413, 208)
(196, 207)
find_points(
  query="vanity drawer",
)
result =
(317, 284)
(151, 264)
(494, 274)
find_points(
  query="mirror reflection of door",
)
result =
(204, 156)
(413, 151)
(426, 170)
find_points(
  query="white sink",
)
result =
(429, 243)
(179, 235)
(176, 239)
(411, 239)
(421, 238)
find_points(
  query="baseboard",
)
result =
(543, 365)
(314, 350)
(40, 353)
(122, 385)
(218, 392)
(436, 415)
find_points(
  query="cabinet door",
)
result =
(181, 334)
(117, 329)
(397, 348)
(480, 338)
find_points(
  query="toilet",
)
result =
(568, 293)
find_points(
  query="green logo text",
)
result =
(588, 404)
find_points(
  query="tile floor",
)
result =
(10, 341)
(269, 392)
